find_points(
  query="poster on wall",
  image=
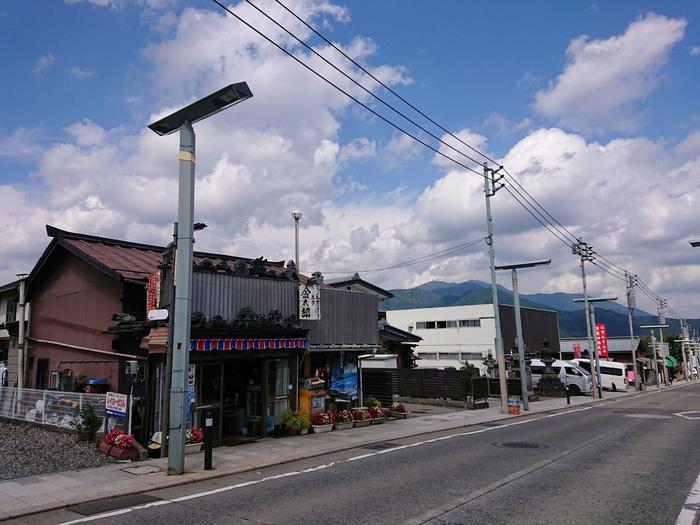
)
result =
(601, 336)
(309, 302)
(343, 378)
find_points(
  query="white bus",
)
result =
(613, 376)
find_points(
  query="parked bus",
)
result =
(613, 376)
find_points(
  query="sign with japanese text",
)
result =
(153, 292)
(115, 404)
(601, 337)
(576, 347)
(309, 302)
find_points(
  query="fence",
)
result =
(47, 407)
(426, 383)
(514, 387)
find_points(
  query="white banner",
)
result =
(116, 404)
(309, 302)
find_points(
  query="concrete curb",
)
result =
(195, 476)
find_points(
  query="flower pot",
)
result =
(320, 429)
(399, 415)
(342, 425)
(362, 422)
(293, 431)
(378, 420)
(193, 448)
(118, 453)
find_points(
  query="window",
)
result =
(451, 324)
(586, 366)
(452, 356)
(441, 324)
(428, 355)
(420, 325)
(11, 311)
(557, 369)
(572, 371)
(469, 323)
(430, 325)
(610, 371)
(471, 356)
(537, 369)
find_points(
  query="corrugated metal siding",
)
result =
(225, 295)
(346, 318)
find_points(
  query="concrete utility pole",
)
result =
(491, 186)
(519, 324)
(21, 340)
(583, 249)
(596, 353)
(631, 305)
(661, 316)
(652, 327)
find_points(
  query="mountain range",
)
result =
(572, 322)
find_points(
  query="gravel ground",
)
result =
(30, 450)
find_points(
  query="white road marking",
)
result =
(683, 414)
(227, 488)
(691, 508)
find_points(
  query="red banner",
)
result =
(577, 350)
(601, 336)
(153, 292)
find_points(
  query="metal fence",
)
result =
(47, 407)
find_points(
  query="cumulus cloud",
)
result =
(603, 78)
(695, 50)
(79, 72)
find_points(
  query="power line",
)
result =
(411, 262)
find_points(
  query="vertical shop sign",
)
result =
(309, 302)
(191, 374)
(153, 292)
(601, 335)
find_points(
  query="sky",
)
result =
(591, 106)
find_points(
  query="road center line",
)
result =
(691, 508)
(244, 484)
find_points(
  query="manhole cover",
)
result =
(382, 446)
(144, 469)
(520, 444)
(106, 505)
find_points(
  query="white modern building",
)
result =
(453, 335)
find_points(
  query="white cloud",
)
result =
(695, 50)
(603, 78)
(22, 144)
(358, 148)
(43, 62)
(79, 72)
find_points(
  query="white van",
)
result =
(613, 376)
(577, 379)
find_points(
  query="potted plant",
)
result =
(378, 415)
(398, 411)
(373, 402)
(343, 420)
(118, 445)
(295, 422)
(322, 422)
(361, 417)
(193, 440)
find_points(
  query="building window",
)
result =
(429, 355)
(429, 325)
(441, 324)
(471, 356)
(449, 356)
(451, 324)
(11, 311)
(469, 323)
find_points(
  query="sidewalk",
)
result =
(29, 495)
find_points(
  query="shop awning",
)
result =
(239, 343)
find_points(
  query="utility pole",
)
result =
(656, 364)
(169, 273)
(631, 305)
(491, 186)
(661, 316)
(583, 249)
(21, 339)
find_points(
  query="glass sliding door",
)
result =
(279, 389)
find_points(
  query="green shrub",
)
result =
(372, 402)
(295, 421)
(87, 422)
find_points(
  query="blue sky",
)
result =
(617, 112)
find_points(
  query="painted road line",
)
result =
(691, 508)
(227, 488)
(686, 415)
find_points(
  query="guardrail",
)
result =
(47, 407)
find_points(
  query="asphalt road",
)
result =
(629, 461)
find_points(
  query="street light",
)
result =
(653, 347)
(518, 322)
(596, 377)
(296, 215)
(695, 243)
(182, 120)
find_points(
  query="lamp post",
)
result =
(296, 215)
(518, 322)
(592, 301)
(182, 120)
(653, 345)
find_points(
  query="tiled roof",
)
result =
(134, 260)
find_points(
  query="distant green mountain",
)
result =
(572, 322)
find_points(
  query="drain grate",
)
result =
(520, 444)
(382, 446)
(106, 505)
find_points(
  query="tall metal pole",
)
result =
(21, 342)
(581, 249)
(490, 191)
(661, 316)
(596, 356)
(168, 371)
(296, 215)
(519, 337)
(684, 334)
(183, 302)
(653, 353)
(631, 305)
